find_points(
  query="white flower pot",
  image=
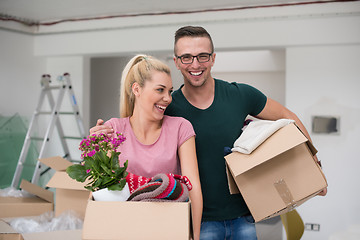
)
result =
(108, 195)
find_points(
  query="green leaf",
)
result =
(102, 157)
(93, 164)
(106, 169)
(119, 186)
(126, 164)
(90, 188)
(115, 160)
(121, 172)
(106, 180)
(77, 172)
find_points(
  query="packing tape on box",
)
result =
(285, 194)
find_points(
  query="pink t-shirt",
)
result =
(159, 157)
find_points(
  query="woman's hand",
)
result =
(101, 128)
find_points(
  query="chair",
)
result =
(293, 224)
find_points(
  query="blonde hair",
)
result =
(138, 69)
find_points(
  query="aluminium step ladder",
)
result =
(65, 85)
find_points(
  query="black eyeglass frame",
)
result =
(192, 57)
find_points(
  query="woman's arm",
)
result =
(189, 168)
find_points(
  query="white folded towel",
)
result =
(256, 133)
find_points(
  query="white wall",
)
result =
(79, 69)
(324, 80)
(20, 74)
(263, 69)
(231, 30)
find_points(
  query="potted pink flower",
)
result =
(100, 167)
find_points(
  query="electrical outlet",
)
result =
(308, 226)
(312, 227)
(316, 227)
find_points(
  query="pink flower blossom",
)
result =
(91, 153)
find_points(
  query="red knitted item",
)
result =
(169, 188)
(135, 181)
(182, 179)
(162, 187)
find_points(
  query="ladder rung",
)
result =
(37, 138)
(44, 112)
(67, 113)
(63, 113)
(70, 137)
(54, 87)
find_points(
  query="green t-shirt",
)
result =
(217, 127)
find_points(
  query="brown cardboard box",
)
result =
(27, 206)
(137, 220)
(8, 233)
(277, 176)
(70, 194)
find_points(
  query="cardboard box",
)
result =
(70, 194)
(277, 176)
(41, 202)
(137, 221)
(8, 233)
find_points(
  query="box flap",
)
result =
(5, 227)
(312, 148)
(24, 206)
(37, 191)
(62, 180)
(281, 141)
(5, 201)
(233, 188)
(57, 163)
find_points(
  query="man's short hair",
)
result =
(192, 31)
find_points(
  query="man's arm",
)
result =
(275, 111)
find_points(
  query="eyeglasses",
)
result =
(188, 59)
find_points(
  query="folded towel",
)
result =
(162, 188)
(256, 132)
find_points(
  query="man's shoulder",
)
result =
(228, 84)
(177, 93)
(178, 100)
(222, 85)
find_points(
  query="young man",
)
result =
(217, 110)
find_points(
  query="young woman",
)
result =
(154, 143)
